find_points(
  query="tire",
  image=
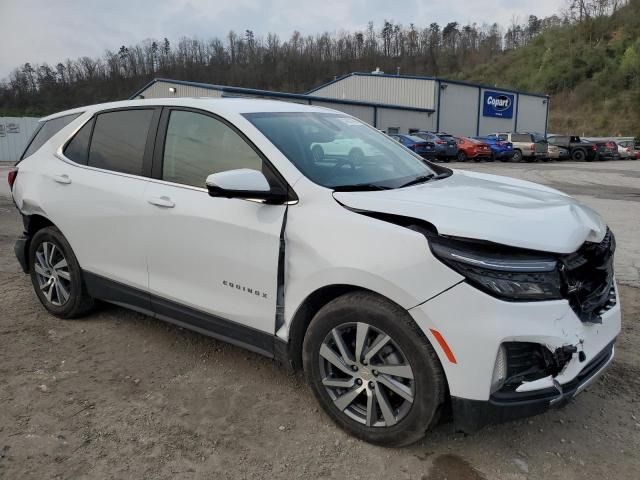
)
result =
(517, 156)
(578, 155)
(53, 263)
(405, 422)
(462, 157)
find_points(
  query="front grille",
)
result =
(588, 279)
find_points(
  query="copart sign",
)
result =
(497, 104)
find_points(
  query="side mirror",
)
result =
(243, 183)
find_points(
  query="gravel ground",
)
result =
(120, 395)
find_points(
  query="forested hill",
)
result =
(587, 57)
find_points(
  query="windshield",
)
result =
(338, 151)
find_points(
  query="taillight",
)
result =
(533, 147)
(594, 148)
(11, 177)
(441, 142)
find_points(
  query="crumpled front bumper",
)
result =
(475, 324)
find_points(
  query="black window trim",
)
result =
(160, 137)
(41, 124)
(147, 159)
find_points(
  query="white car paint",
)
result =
(179, 243)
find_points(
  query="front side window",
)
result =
(47, 130)
(338, 151)
(198, 145)
(119, 140)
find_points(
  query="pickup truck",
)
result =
(526, 146)
(581, 149)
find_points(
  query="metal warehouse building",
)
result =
(397, 104)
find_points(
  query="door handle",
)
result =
(163, 201)
(64, 179)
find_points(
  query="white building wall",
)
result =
(532, 113)
(15, 133)
(389, 90)
(161, 90)
(363, 113)
(459, 107)
(405, 120)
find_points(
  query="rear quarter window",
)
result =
(47, 130)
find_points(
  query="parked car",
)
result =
(412, 142)
(500, 150)
(401, 288)
(472, 149)
(525, 145)
(581, 149)
(446, 145)
(556, 152)
(633, 149)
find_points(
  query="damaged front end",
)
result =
(527, 375)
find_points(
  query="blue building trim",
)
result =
(478, 111)
(437, 79)
(270, 94)
(515, 124)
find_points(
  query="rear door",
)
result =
(97, 195)
(211, 260)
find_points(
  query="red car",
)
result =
(468, 148)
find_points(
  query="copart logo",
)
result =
(499, 103)
(243, 288)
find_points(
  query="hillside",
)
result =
(591, 69)
(588, 60)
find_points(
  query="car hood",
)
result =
(489, 207)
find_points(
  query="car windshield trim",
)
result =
(340, 152)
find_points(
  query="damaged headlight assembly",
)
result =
(502, 272)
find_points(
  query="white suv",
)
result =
(399, 286)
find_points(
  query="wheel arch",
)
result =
(32, 224)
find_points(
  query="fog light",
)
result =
(499, 370)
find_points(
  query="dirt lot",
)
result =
(120, 395)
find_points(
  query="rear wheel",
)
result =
(373, 370)
(56, 275)
(517, 156)
(578, 155)
(462, 157)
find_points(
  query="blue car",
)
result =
(421, 147)
(446, 145)
(500, 150)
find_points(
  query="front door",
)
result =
(216, 257)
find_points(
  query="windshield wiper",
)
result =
(359, 187)
(417, 180)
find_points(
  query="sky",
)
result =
(39, 31)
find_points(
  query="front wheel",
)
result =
(373, 370)
(56, 275)
(578, 156)
(462, 157)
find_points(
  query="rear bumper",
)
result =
(20, 248)
(471, 415)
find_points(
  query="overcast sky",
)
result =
(40, 31)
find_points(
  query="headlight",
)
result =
(506, 272)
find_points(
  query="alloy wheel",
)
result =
(366, 374)
(52, 273)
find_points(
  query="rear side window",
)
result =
(521, 137)
(78, 148)
(119, 139)
(47, 130)
(198, 145)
